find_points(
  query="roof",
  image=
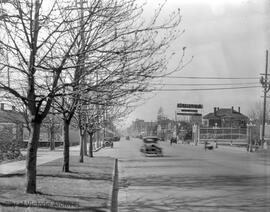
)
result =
(11, 116)
(226, 113)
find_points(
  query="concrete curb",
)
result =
(96, 150)
(114, 189)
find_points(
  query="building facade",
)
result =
(225, 117)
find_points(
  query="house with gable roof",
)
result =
(11, 124)
(225, 117)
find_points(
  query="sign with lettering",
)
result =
(189, 109)
(197, 106)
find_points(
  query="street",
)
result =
(188, 178)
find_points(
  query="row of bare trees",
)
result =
(79, 59)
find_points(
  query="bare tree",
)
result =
(256, 116)
(256, 113)
(92, 125)
(52, 124)
(117, 54)
(33, 35)
(45, 44)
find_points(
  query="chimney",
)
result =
(238, 109)
(215, 111)
(2, 106)
(232, 109)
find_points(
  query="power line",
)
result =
(200, 84)
(200, 89)
(225, 78)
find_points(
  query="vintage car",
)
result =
(108, 142)
(210, 145)
(150, 146)
(116, 138)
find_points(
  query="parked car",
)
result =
(150, 146)
(127, 138)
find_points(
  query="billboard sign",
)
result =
(197, 106)
(189, 109)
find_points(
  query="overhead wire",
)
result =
(225, 78)
(235, 85)
(203, 84)
(201, 89)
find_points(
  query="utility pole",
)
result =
(98, 115)
(104, 121)
(266, 88)
(82, 61)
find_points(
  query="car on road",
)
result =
(108, 142)
(210, 145)
(116, 138)
(150, 146)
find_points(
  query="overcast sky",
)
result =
(227, 39)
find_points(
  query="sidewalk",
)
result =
(222, 147)
(44, 156)
(232, 148)
(87, 187)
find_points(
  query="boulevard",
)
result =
(188, 178)
(79, 72)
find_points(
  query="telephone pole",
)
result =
(82, 80)
(266, 88)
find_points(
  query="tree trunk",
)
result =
(31, 159)
(97, 137)
(85, 143)
(66, 146)
(81, 145)
(91, 145)
(52, 140)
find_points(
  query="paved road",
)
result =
(188, 178)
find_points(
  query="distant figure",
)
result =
(208, 146)
(173, 140)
